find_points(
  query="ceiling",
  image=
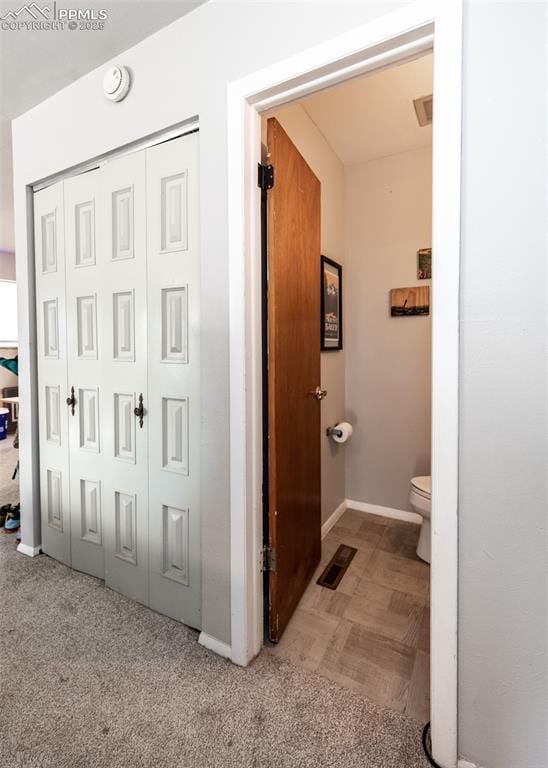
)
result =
(36, 64)
(374, 116)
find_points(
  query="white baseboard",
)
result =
(26, 549)
(461, 763)
(212, 644)
(376, 509)
(333, 518)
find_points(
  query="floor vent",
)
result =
(337, 566)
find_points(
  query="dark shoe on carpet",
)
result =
(4, 513)
(13, 519)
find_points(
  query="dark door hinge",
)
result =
(269, 559)
(266, 177)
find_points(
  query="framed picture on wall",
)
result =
(331, 306)
(406, 302)
(424, 264)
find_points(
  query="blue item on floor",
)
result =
(13, 519)
(4, 415)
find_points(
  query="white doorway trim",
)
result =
(394, 37)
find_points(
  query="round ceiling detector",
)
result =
(116, 83)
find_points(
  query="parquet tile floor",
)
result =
(372, 634)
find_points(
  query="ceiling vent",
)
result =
(423, 108)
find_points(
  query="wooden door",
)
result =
(293, 301)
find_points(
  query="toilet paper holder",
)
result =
(340, 432)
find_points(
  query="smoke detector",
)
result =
(116, 83)
(424, 108)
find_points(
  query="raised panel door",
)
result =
(85, 350)
(174, 378)
(51, 356)
(123, 327)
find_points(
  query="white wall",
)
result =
(330, 171)
(388, 359)
(6, 187)
(503, 464)
(7, 265)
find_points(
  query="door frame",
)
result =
(394, 37)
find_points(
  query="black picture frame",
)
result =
(331, 303)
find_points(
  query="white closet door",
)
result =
(52, 371)
(86, 346)
(174, 378)
(123, 323)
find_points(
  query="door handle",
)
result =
(140, 411)
(71, 400)
(320, 394)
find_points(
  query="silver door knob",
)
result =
(320, 394)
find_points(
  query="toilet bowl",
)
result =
(420, 499)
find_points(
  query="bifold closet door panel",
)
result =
(51, 354)
(174, 378)
(123, 327)
(86, 346)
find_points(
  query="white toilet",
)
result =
(420, 499)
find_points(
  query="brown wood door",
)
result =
(293, 311)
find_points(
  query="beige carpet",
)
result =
(89, 678)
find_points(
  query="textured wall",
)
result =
(388, 359)
(503, 442)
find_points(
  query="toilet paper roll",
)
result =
(341, 432)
